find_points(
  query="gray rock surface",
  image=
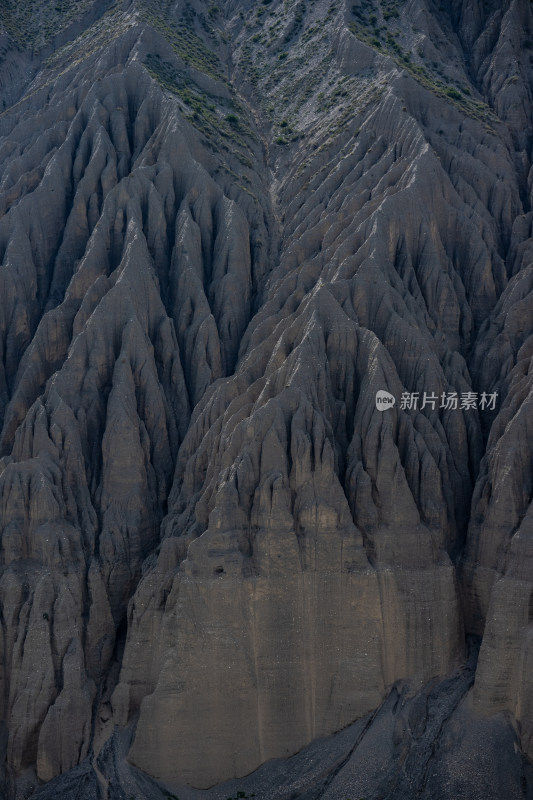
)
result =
(428, 744)
(222, 230)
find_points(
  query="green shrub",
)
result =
(455, 94)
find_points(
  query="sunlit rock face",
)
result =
(225, 230)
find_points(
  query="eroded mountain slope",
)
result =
(223, 229)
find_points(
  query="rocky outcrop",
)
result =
(429, 742)
(222, 231)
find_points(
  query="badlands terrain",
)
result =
(226, 225)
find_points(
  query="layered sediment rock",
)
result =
(222, 231)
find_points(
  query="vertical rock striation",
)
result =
(223, 229)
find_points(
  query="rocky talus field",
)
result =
(224, 572)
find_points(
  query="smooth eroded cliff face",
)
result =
(223, 229)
